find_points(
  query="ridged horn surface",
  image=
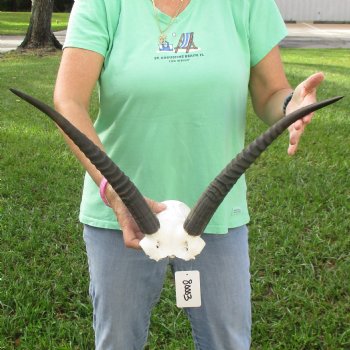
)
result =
(127, 191)
(202, 212)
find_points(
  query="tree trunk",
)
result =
(39, 34)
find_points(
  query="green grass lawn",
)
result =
(299, 233)
(16, 23)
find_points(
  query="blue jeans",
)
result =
(125, 284)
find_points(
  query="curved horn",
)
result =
(127, 191)
(202, 212)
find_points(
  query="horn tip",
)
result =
(337, 98)
(334, 99)
(330, 101)
(16, 92)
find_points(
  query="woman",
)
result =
(174, 76)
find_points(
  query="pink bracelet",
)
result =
(103, 186)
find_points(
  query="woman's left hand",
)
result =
(304, 94)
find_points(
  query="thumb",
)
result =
(312, 82)
(156, 207)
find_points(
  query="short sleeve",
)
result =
(92, 26)
(266, 29)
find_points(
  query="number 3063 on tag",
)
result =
(188, 292)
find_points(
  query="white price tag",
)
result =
(188, 291)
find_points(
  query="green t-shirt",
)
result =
(173, 115)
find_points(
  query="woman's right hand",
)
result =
(132, 234)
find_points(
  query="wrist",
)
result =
(112, 197)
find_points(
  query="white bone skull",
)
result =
(171, 240)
